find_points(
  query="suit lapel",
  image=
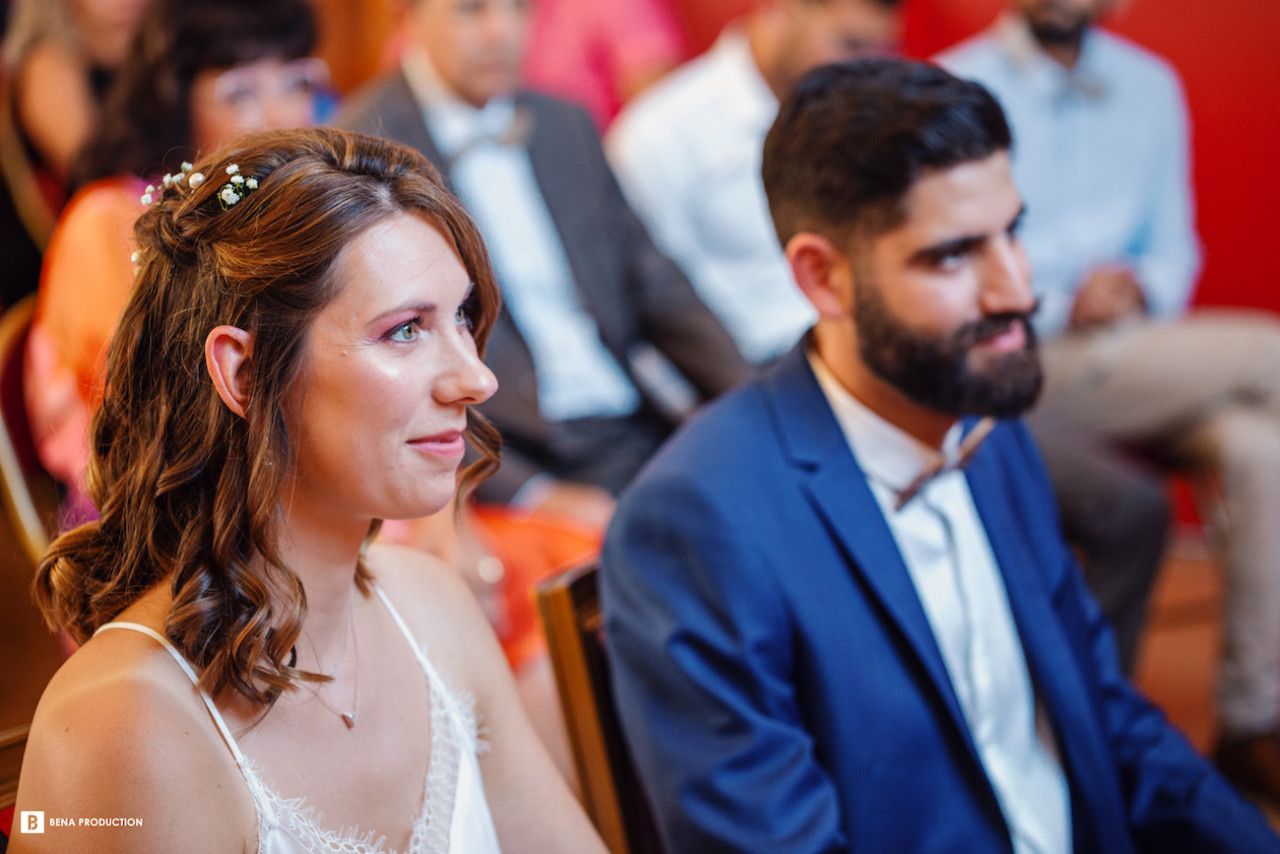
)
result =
(838, 491)
(570, 188)
(506, 351)
(402, 121)
(1053, 668)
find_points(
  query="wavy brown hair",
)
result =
(189, 493)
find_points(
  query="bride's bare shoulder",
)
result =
(414, 580)
(437, 605)
(121, 733)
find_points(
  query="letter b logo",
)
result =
(31, 821)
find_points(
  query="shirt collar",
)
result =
(454, 123)
(887, 453)
(1087, 78)
(732, 52)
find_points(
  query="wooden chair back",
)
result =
(569, 604)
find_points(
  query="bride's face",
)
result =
(390, 369)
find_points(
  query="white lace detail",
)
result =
(303, 823)
(454, 728)
(455, 738)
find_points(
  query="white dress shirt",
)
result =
(687, 153)
(950, 561)
(577, 375)
(1101, 157)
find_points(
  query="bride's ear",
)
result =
(227, 351)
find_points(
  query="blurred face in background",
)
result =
(269, 94)
(817, 32)
(1062, 21)
(106, 27)
(476, 46)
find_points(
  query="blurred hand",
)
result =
(1108, 294)
(590, 505)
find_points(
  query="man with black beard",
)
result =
(825, 634)
(1102, 161)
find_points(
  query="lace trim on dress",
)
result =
(454, 728)
(455, 715)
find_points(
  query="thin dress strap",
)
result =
(249, 777)
(423, 661)
(458, 817)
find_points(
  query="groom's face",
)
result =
(942, 302)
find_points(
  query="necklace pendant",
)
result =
(349, 720)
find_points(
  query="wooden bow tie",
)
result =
(968, 447)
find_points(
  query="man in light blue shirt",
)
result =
(1101, 156)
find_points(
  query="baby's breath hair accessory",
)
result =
(236, 188)
(193, 179)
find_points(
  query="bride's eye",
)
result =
(405, 332)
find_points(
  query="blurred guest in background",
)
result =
(60, 56)
(602, 53)
(1102, 158)
(198, 75)
(687, 153)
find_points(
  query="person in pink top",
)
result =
(601, 53)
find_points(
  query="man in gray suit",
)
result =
(586, 291)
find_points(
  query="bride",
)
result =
(297, 362)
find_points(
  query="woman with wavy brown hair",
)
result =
(298, 361)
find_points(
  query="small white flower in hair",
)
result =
(229, 195)
(196, 179)
(187, 167)
(233, 169)
(168, 179)
(237, 179)
(252, 183)
(146, 199)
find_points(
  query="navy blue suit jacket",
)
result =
(779, 683)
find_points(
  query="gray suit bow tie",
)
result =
(515, 132)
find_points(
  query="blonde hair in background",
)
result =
(33, 22)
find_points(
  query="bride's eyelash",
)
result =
(467, 310)
(412, 324)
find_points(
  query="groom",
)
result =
(825, 634)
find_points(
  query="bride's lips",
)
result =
(447, 443)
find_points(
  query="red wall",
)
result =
(1229, 56)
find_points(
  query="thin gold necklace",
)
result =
(348, 718)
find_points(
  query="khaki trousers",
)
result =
(1202, 394)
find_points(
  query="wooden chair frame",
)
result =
(569, 604)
